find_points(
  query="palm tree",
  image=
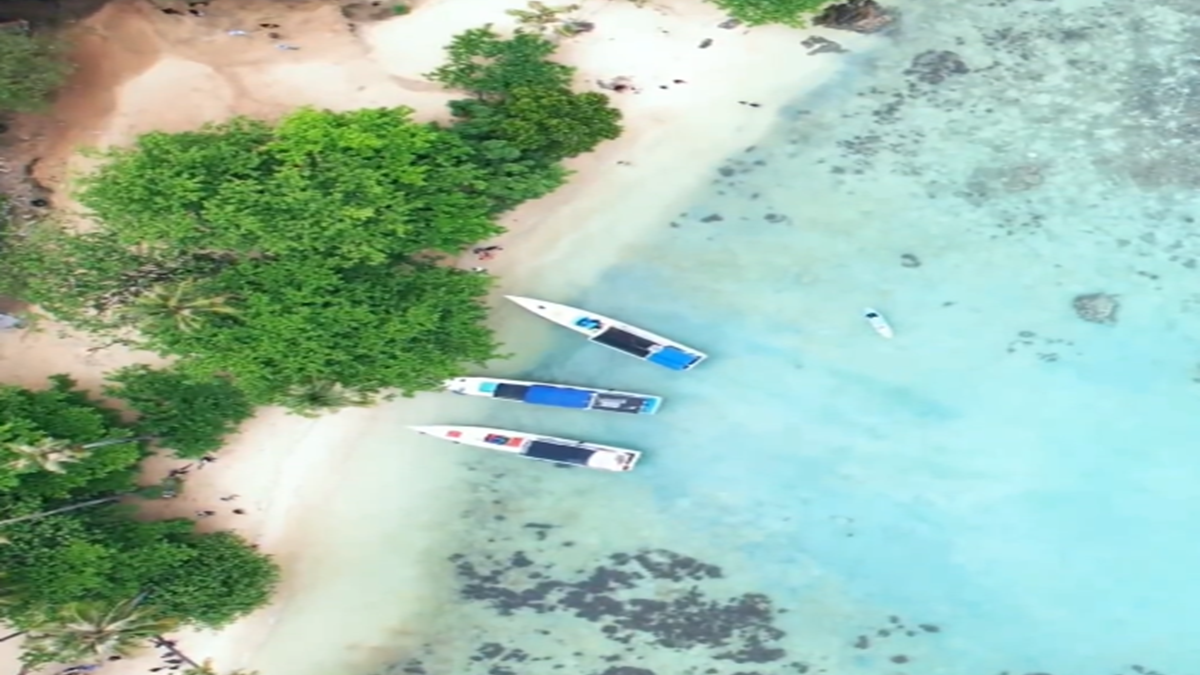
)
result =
(48, 454)
(92, 631)
(62, 509)
(52, 454)
(182, 304)
(159, 491)
(314, 398)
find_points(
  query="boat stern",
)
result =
(608, 458)
(630, 460)
(651, 405)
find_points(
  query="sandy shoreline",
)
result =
(325, 496)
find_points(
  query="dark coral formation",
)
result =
(860, 16)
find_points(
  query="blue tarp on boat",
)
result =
(560, 397)
(673, 358)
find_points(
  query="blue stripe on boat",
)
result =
(559, 397)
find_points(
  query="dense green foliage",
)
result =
(522, 100)
(356, 187)
(99, 555)
(489, 66)
(31, 69)
(548, 124)
(33, 422)
(761, 12)
(294, 259)
(189, 415)
(90, 631)
(407, 326)
(91, 280)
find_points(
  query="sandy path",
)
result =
(354, 507)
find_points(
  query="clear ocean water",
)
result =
(1003, 488)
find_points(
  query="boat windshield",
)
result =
(562, 453)
(625, 341)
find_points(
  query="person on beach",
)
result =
(240, 512)
(229, 498)
(207, 459)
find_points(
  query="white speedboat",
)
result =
(536, 446)
(879, 323)
(636, 342)
(558, 396)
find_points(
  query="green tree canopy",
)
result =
(93, 280)
(522, 102)
(102, 554)
(32, 67)
(487, 65)
(90, 631)
(357, 187)
(793, 13)
(58, 414)
(408, 326)
(189, 415)
(220, 579)
(550, 124)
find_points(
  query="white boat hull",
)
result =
(544, 393)
(536, 446)
(878, 323)
(639, 343)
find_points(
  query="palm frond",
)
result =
(48, 454)
(181, 303)
(90, 630)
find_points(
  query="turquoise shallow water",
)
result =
(1004, 488)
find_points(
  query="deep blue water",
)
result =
(1004, 488)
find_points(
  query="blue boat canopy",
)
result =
(673, 358)
(559, 397)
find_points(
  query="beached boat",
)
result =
(540, 393)
(613, 334)
(879, 323)
(536, 446)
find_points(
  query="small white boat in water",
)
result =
(879, 323)
(536, 446)
(558, 396)
(636, 342)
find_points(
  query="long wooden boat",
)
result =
(636, 342)
(536, 446)
(557, 396)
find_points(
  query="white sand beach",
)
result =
(355, 507)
